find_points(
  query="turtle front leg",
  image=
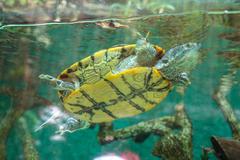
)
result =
(59, 84)
(183, 79)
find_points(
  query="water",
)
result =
(30, 50)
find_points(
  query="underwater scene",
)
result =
(119, 80)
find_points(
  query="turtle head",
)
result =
(178, 60)
(145, 52)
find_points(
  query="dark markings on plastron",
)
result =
(135, 105)
(122, 96)
(93, 58)
(137, 92)
(152, 86)
(163, 89)
(69, 70)
(84, 109)
(113, 102)
(147, 100)
(147, 78)
(93, 63)
(123, 50)
(102, 107)
(100, 70)
(90, 74)
(88, 97)
(85, 65)
(98, 106)
(106, 55)
(80, 64)
(108, 58)
(157, 82)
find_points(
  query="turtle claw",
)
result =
(183, 79)
(72, 125)
(47, 77)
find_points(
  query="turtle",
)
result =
(92, 68)
(129, 85)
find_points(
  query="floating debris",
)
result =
(111, 25)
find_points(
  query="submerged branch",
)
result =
(30, 152)
(175, 132)
(5, 125)
(22, 104)
(220, 97)
(157, 126)
(177, 145)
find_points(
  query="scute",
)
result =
(99, 63)
(118, 95)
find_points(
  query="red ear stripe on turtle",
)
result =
(160, 51)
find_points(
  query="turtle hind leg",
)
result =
(59, 84)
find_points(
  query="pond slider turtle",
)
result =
(92, 68)
(123, 81)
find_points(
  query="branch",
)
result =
(30, 152)
(176, 145)
(156, 126)
(175, 132)
(14, 113)
(220, 97)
